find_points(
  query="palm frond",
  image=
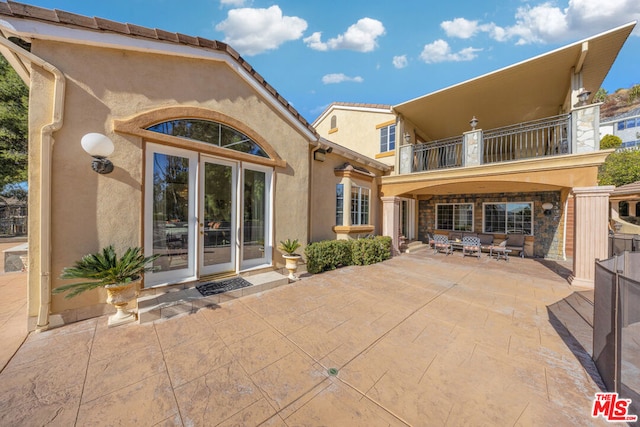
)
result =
(105, 268)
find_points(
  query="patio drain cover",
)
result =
(221, 286)
(333, 372)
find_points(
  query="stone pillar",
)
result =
(633, 209)
(585, 127)
(591, 232)
(472, 148)
(391, 222)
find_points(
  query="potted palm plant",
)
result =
(289, 247)
(119, 276)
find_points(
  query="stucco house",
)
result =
(513, 151)
(206, 163)
(626, 126)
(203, 162)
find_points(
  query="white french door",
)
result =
(218, 216)
(170, 213)
(204, 215)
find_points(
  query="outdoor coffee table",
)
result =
(500, 251)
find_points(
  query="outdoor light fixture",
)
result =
(407, 137)
(99, 147)
(321, 153)
(583, 96)
(473, 122)
(547, 208)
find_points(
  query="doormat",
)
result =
(220, 286)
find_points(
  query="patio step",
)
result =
(416, 246)
(155, 304)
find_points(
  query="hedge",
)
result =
(331, 254)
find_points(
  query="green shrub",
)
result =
(610, 141)
(331, 254)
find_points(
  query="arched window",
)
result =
(211, 133)
(334, 122)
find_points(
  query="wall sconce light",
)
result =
(99, 147)
(320, 153)
(547, 207)
(583, 96)
(407, 137)
(473, 122)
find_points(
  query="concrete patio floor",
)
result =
(417, 340)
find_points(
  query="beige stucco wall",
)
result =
(90, 211)
(356, 129)
(323, 201)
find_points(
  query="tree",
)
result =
(610, 141)
(634, 93)
(14, 101)
(620, 168)
(601, 95)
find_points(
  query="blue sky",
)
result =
(317, 52)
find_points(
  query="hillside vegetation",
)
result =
(619, 102)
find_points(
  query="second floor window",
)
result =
(387, 138)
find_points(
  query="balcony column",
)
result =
(633, 210)
(472, 148)
(591, 231)
(585, 125)
(615, 210)
(391, 222)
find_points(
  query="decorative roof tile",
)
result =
(21, 10)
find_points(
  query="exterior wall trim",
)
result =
(138, 124)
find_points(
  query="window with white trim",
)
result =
(339, 204)
(388, 138)
(359, 205)
(454, 216)
(506, 218)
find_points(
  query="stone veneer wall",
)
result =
(548, 230)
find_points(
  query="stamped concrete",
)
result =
(417, 340)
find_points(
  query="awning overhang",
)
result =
(530, 90)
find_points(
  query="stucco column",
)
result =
(591, 231)
(615, 210)
(633, 208)
(391, 222)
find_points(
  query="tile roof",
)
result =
(55, 16)
(631, 113)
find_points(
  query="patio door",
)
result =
(170, 214)
(218, 216)
(204, 215)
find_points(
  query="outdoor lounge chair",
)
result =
(442, 244)
(486, 241)
(471, 246)
(515, 242)
(430, 240)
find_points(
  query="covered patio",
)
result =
(420, 339)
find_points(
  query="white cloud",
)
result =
(253, 31)
(361, 37)
(340, 78)
(400, 61)
(440, 51)
(549, 23)
(235, 3)
(460, 27)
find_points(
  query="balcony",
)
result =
(551, 136)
